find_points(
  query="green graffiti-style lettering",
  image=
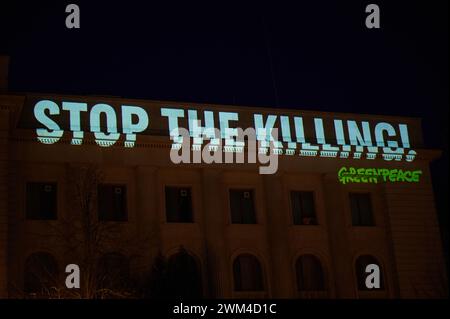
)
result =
(400, 177)
(373, 175)
(416, 176)
(393, 175)
(408, 176)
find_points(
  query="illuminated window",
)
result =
(303, 209)
(178, 205)
(247, 273)
(41, 201)
(40, 274)
(360, 267)
(361, 208)
(242, 206)
(310, 276)
(112, 205)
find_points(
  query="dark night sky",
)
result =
(314, 55)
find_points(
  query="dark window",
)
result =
(310, 275)
(112, 205)
(247, 273)
(184, 276)
(41, 274)
(41, 201)
(113, 271)
(361, 208)
(178, 205)
(303, 209)
(361, 263)
(242, 207)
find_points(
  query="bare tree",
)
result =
(81, 238)
(86, 239)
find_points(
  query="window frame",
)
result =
(254, 204)
(56, 204)
(264, 284)
(383, 276)
(324, 274)
(291, 208)
(125, 205)
(191, 191)
(373, 223)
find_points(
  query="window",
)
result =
(361, 208)
(242, 207)
(113, 271)
(41, 274)
(360, 267)
(310, 275)
(178, 205)
(303, 209)
(247, 273)
(184, 276)
(112, 204)
(41, 201)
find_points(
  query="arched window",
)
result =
(113, 271)
(40, 274)
(360, 267)
(184, 276)
(247, 273)
(310, 276)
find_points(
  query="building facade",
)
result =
(304, 231)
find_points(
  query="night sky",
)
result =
(314, 55)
